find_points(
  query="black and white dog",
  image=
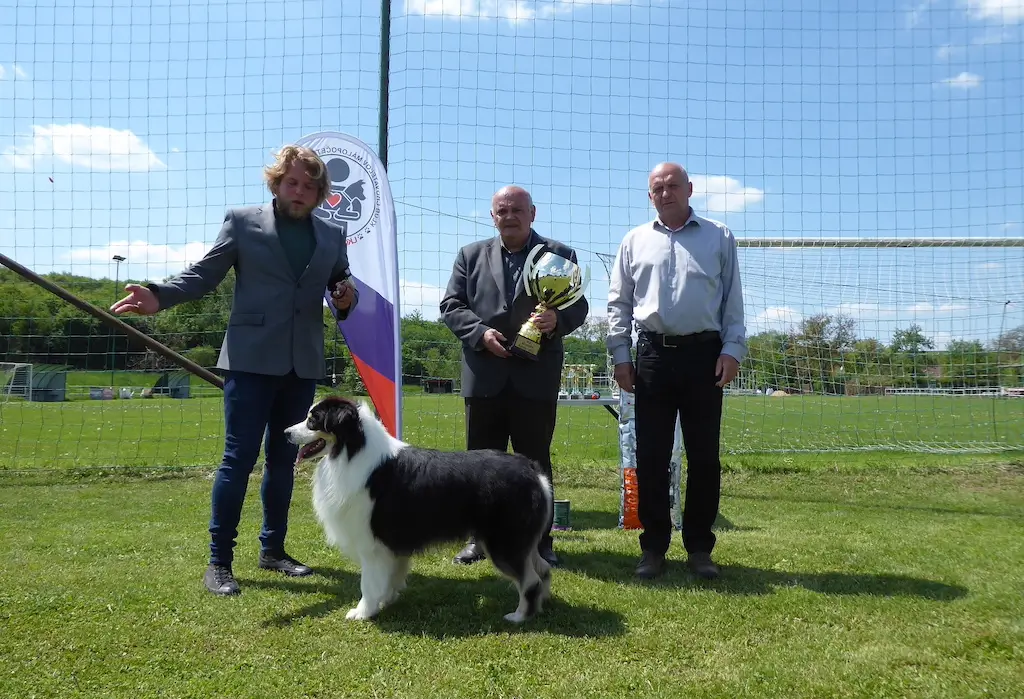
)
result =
(381, 501)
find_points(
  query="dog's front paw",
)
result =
(356, 614)
(515, 617)
(359, 613)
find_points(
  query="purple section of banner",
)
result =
(370, 331)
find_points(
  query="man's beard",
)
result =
(294, 210)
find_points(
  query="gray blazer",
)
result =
(475, 301)
(276, 322)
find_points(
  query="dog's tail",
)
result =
(542, 591)
(549, 494)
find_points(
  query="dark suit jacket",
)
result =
(475, 301)
(276, 322)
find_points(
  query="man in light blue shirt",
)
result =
(677, 278)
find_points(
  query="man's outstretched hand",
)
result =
(139, 300)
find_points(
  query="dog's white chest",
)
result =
(344, 513)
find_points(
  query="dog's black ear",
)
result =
(342, 420)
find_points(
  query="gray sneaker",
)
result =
(220, 581)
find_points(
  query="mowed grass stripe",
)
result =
(169, 433)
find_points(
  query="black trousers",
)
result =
(670, 382)
(491, 423)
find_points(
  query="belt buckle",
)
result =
(666, 343)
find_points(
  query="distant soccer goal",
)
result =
(878, 344)
(15, 381)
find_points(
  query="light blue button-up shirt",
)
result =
(676, 282)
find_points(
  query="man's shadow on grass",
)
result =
(745, 580)
(587, 520)
(442, 607)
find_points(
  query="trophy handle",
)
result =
(531, 258)
(578, 294)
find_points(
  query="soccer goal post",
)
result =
(15, 381)
(869, 344)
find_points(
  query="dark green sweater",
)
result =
(298, 240)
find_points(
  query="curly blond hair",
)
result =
(288, 156)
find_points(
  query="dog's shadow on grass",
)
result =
(745, 580)
(340, 586)
(442, 607)
(445, 608)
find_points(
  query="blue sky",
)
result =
(796, 119)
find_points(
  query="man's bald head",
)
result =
(669, 189)
(661, 170)
(513, 213)
(512, 191)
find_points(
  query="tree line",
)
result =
(822, 354)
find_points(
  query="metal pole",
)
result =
(113, 359)
(385, 69)
(112, 320)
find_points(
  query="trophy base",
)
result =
(524, 348)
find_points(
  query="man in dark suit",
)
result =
(507, 398)
(273, 350)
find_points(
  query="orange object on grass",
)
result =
(630, 512)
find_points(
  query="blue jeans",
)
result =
(257, 408)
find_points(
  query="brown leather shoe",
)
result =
(651, 565)
(702, 565)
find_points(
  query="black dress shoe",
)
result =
(284, 564)
(548, 554)
(702, 565)
(470, 554)
(220, 581)
(651, 565)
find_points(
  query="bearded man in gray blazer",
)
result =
(485, 304)
(273, 350)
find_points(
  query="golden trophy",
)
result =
(555, 282)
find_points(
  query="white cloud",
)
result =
(513, 10)
(862, 310)
(143, 260)
(915, 15)
(1005, 11)
(91, 147)
(719, 193)
(14, 72)
(991, 265)
(963, 81)
(880, 311)
(775, 318)
(417, 296)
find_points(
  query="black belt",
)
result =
(680, 340)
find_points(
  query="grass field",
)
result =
(168, 433)
(845, 574)
(866, 580)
